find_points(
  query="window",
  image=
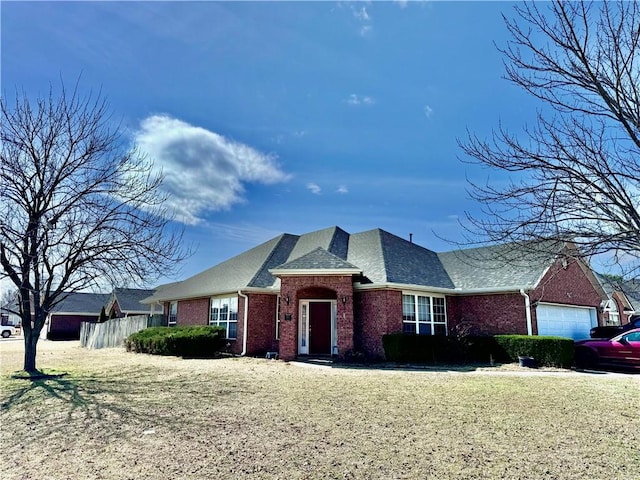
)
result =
(173, 313)
(613, 316)
(224, 313)
(423, 315)
(278, 319)
(632, 337)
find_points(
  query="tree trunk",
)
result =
(30, 344)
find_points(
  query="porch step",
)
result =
(316, 359)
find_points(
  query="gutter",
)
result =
(447, 291)
(244, 328)
(527, 306)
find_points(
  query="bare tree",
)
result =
(79, 208)
(575, 175)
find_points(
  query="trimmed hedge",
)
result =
(547, 351)
(403, 348)
(190, 342)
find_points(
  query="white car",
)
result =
(7, 330)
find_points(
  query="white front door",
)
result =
(303, 329)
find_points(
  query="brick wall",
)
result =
(262, 324)
(493, 314)
(193, 312)
(568, 284)
(377, 312)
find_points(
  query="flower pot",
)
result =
(528, 362)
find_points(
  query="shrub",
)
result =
(547, 351)
(191, 342)
(403, 348)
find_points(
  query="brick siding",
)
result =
(193, 312)
(262, 324)
(315, 287)
(377, 312)
(492, 314)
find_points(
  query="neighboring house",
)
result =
(8, 315)
(125, 302)
(63, 322)
(331, 292)
(622, 302)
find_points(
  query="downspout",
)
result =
(527, 307)
(244, 329)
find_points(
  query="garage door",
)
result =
(561, 321)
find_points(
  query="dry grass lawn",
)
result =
(118, 415)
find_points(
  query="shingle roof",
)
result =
(629, 288)
(499, 267)
(319, 259)
(241, 271)
(82, 303)
(383, 258)
(129, 299)
(387, 258)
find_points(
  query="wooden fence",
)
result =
(113, 332)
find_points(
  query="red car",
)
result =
(622, 350)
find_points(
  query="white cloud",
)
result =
(361, 14)
(314, 188)
(401, 3)
(204, 171)
(364, 18)
(428, 111)
(354, 99)
(342, 189)
(365, 30)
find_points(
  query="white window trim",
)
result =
(277, 333)
(232, 300)
(432, 316)
(170, 315)
(303, 324)
(611, 308)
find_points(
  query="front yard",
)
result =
(118, 415)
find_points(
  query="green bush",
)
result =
(404, 348)
(547, 351)
(191, 342)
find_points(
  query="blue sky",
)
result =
(286, 117)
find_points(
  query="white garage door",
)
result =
(561, 321)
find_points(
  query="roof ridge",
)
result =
(334, 240)
(265, 265)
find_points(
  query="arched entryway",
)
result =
(316, 315)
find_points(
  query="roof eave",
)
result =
(269, 290)
(286, 272)
(444, 290)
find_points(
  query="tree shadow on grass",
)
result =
(91, 398)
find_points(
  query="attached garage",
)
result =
(565, 321)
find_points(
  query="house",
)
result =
(125, 302)
(330, 292)
(622, 302)
(64, 319)
(9, 315)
